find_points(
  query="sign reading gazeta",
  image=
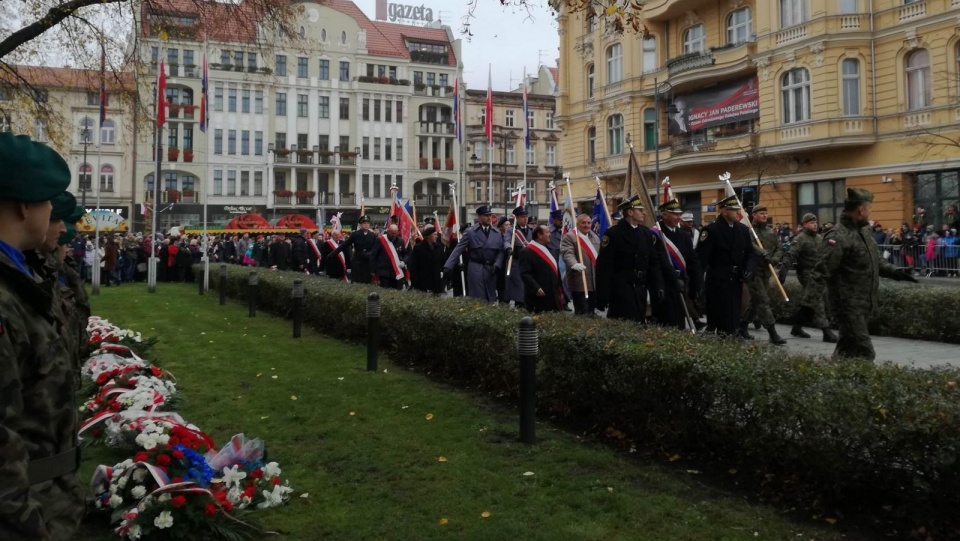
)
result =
(401, 12)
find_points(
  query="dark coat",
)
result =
(331, 263)
(727, 254)
(280, 255)
(299, 254)
(426, 267)
(538, 274)
(627, 267)
(380, 258)
(670, 312)
(229, 251)
(361, 242)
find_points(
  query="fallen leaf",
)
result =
(273, 377)
(273, 369)
(693, 471)
(259, 374)
(486, 514)
(384, 370)
(305, 495)
(428, 416)
(404, 407)
(674, 458)
(444, 522)
(732, 471)
(340, 379)
(293, 397)
(830, 520)
(442, 459)
(609, 489)
(203, 333)
(264, 417)
(528, 473)
(353, 413)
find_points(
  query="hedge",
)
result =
(834, 431)
(905, 310)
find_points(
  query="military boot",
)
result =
(798, 331)
(829, 336)
(774, 337)
(743, 331)
(756, 325)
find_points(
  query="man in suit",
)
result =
(541, 274)
(426, 263)
(386, 258)
(577, 267)
(335, 266)
(483, 248)
(628, 266)
(683, 278)
(362, 241)
(726, 251)
(515, 240)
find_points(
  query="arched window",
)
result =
(850, 75)
(795, 92)
(343, 37)
(106, 178)
(694, 39)
(86, 130)
(614, 63)
(590, 80)
(739, 26)
(615, 135)
(108, 133)
(86, 172)
(918, 80)
(650, 62)
(592, 144)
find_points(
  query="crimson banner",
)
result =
(716, 106)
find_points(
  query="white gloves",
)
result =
(579, 267)
(403, 265)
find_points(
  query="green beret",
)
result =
(30, 172)
(68, 236)
(76, 215)
(859, 195)
(64, 205)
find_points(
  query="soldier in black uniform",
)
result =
(684, 276)
(362, 241)
(726, 251)
(628, 266)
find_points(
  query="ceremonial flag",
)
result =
(744, 219)
(667, 192)
(103, 87)
(526, 112)
(204, 86)
(450, 226)
(336, 226)
(600, 214)
(456, 111)
(488, 120)
(554, 205)
(520, 196)
(570, 216)
(161, 95)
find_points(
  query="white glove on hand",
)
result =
(403, 265)
(579, 267)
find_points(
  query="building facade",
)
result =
(305, 125)
(797, 99)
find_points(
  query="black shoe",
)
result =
(743, 331)
(774, 337)
(756, 325)
(798, 331)
(829, 336)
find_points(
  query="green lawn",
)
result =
(362, 450)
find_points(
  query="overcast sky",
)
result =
(502, 36)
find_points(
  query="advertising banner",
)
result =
(723, 104)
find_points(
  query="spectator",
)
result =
(878, 235)
(171, 260)
(184, 260)
(930, 254)
(87, 261)
(951, 251)
(111, 259)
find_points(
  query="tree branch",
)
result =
(53, 17)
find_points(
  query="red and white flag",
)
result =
(450, 226)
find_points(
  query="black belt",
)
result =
(483, 261)
(51, 467)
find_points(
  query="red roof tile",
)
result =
(67, 78)
(555, 73)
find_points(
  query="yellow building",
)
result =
(795, 98)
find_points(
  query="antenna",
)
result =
(540, 53)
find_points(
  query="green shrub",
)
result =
(842, 430)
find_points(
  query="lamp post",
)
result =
(84, 174)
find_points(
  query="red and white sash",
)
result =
(518, 235)
(545, 255)
(587, 248)
(343, 260)
(392, 254)
(679, 263)
(313, 246)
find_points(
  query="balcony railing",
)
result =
(689, 61)
(305, 201)
(429, 57)
(794, 33)
(282, 199)
(441, 128)
(913, 11)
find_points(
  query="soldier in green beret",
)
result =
(40, 494)
(850, 266)
(805, 248)
(759, 307)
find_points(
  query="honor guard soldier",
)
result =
(628, 266)
(851, 268)
(805, 250)
(40, 493)
(514, 243)
(684, 275)
(482, 246)
(726, 252)
(362, 241)
(758, 309)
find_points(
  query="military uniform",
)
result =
(758, 310)
(727, 255)
(362, 241)
(804, 250)
(514, 285)
(683, 276)
(483, 248)
(850, 266)
(628, 266)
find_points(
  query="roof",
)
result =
(555, 73)
(79, 79)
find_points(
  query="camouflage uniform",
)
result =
(759, 307)
(805, 249)
(76, 308)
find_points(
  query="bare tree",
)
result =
(617, 15)
(761, 166)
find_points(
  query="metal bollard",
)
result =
(528, 347)
(373, 330)
(223, 284)
(297, 307)
(252, 293)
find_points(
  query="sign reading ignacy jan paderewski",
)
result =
(716, 106)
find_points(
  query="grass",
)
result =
(360, 444)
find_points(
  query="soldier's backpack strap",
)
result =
(51, 467)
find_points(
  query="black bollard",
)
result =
(373, 330)
(252, 293)
(528, 347)
(223, 284)
(297, 307)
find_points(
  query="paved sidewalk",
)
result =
(915, 353)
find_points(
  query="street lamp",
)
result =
(84, 174)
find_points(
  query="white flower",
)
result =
(164, 497)
(163, 439)
(234, 495)
(274, 497)
(231, 476)
(163, 520)
(115, 501)
(138, 491)
(271, 470)
(122, 482)
(139, 475)
(134, 531)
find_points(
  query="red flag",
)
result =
(488, 120)
(161, 95)
(450, 226)
(203, 96)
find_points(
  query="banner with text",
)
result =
(723, 104)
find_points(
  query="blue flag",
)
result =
(601, 220)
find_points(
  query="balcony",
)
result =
(729, 62)
(663, 10)
(437, 164)
(435, 128)
(913, 12)
(369, 82)
(313, 157)
(791, 35)
(844, 131)
(433, 91)
(689, 61)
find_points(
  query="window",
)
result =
(245, 100)
(302, 139)
(376, 110)
(324, 107)
(615, 135)
(824, 199)
(258, 183)
(937, 192)
(281, 103)
(86, 130)
(418, 77)
(551, 155)
(431, 78)
(323, 142)
(170, 181)
(344, 108)
(108, 133)
(86, 173)
(388, 111)
(251, 61)
(258, 143)
(302, 67)
(531, 119)
(244, 183)
(188, 57)
(531, 156)
(281, 65)
(231, 183)
(918, 80)
(218, 182)
(483, 116)
(851, 86)
(376, 148)
(511, 154)
(649, 129)
(93, 99)
(848, 7)
(388, 149)
(106, 178)
(590, 79)
(591, 21)
(173, 56)
(218, 98)
(324, 69)
(509, 118)
(365, 148)
(793, 12)
(238, 59)
(225, 58)
(694, 40)
(218, 141)
(592, 144)
(258, 102)
(399, 111)
(189, 183)
(172, 138)
(343, 37)
(280, 139)
(280, 180)
(614, 63)
(549, 125)
(399, 150)
(739, 26)
(323, 35)
(365, 109)
(245, 143)
(232, 100)
(650, 54)
(478, 188)
(302, 105)
(231, 141)
(188, 137)
(344, 71)
(795, 94)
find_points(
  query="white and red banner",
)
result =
(393, 255)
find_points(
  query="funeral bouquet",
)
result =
(103, 332)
